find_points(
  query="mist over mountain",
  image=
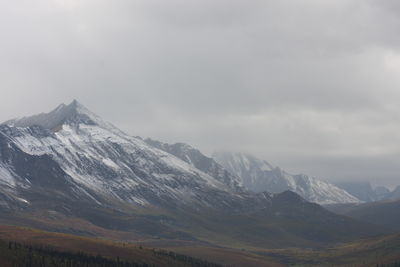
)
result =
(394, 195)
(364, 191)
(258, 175)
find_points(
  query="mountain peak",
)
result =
(77, 105)
(74, 113)
(242, 159)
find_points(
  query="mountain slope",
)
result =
(385, 213)
(198, 160)
(70, 162)
(258, 175)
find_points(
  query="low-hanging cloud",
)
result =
(310, 85)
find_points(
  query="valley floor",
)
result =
(383, 251)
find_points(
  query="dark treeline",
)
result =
(186, 259)
(22, 255)
(395, 264)
(39, 256)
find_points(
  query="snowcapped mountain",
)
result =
(71, 163)
(101, 161)
(258, 176)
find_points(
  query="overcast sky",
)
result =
(312, 86)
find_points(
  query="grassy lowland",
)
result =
(28, 247)
(33, 248)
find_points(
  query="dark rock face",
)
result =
(381, 192)
(38, 180)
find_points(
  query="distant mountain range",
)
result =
(394, 195)
(259, 175)
(364, 191)
(71, 164)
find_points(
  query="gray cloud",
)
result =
(310, 85)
